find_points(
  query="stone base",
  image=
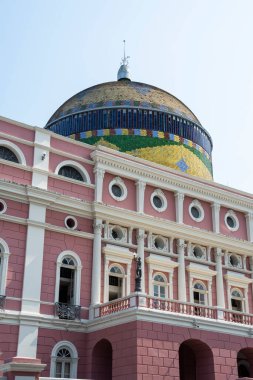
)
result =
(22, 369)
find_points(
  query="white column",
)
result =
(191, 288)
(249, 224)
(210, 301)
(171, 244)
(140, 191)
(128, 279)
(181, 271)
(130, 235)
(171, 286)
(179, 199)
(96, 264)
(106, 280)
(41, 159)
(28, 333)
(219, 280)
(99, 178)
(216, 217)
(140, 253)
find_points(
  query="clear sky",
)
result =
(199, 50)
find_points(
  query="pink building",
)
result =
(122, 259)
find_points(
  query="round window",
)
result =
(3, 206)
(117, 233)
(234, 261)
(71, 222)
(231, 221)
(158, 200)
(159, 243)
(117, 191)
(196, 211)
(197, 252)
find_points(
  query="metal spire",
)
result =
(123, 72)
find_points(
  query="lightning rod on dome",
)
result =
(123, 72)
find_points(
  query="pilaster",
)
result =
(99, 178)
(216, 217)
(179, 200)
(140, 253)
(181, 270)
(41, 159)
(249, 224)
(219, 279)
(96, 264)
(140, 192)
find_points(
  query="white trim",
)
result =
(195, 203)
(159, 193)
(75, 221)
(119, 182)
(4, 266)
(77, 285)
(233, 216)
(122, 230)
(74, 357)
(77, 166)
(4, 206)
(166, 284)
(15, 149)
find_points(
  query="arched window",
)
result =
(70, 172)
(73, 170)
(68, 281)
(11, 152)
(160, 286)
(4, 258)
(116, 282)
(64, 361)
(7, 154)
(199, 293)
(237, 300)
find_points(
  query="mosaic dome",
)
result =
(138, 119)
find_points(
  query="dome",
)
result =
(139, 119)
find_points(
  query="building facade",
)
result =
(113, 266)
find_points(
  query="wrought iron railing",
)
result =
(2, 302)
(66, 311)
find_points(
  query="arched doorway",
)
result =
(102, 361)
(195, 361)
(245, 362)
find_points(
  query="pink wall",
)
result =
(9, 341)
(17, 131)
(241, 233)
(55, 243)
(129, 203)
(57, 218)
(18, 209)
(15, 236)
(169, 213)
(17, 175)
(206, 224)
(69, 146)
(71, 189)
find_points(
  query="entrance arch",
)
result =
(102, 360)
(245, 362)
(195, 361)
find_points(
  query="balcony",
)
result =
(66, 311)
(169, 306)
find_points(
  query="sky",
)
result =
(201, 51)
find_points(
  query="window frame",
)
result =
(3, 266)
(81, 169)
(160, 194)
(165, 284)
(16, 150)
(119, 182)
(204, 292)
(77, 280)
(195, 203)
(74, 358)
(232, 215)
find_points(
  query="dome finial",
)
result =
(123, 72)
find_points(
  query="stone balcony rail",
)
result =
(171, 306)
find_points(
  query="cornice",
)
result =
(124, 165)
(126, 316)
(171, 229)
